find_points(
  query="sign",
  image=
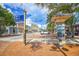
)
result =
(60, 29)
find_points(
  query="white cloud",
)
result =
(39, 25)
(28, 22)
(42, 26)
(38, 14)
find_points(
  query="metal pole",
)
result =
(25, 27)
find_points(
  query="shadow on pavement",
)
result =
(54, 49)
(57, 48)
(36, 46)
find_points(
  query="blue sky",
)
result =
(35, 13)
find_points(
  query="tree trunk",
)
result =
(2, 29)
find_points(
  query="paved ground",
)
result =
(37, 38)
(19, 49)
(14, 46)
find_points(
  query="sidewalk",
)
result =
(76, 37)
(9, 35)
(19, 49)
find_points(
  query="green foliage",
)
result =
(76, 9)
(6, 19)
(70, 21)
(49, 17)
(66, 8)
(50, 26)
(63, 8)
(60, 7)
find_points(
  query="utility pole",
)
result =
(24, 34)
(25, 26)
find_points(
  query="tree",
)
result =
(56, 8)
(6, 19)
(62, 9)
(50, 27)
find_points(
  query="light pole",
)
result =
(24, 36)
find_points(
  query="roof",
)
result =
(60, 18)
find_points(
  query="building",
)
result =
(11, 30)
(20, 27)
(34, 28)
(17, 29)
